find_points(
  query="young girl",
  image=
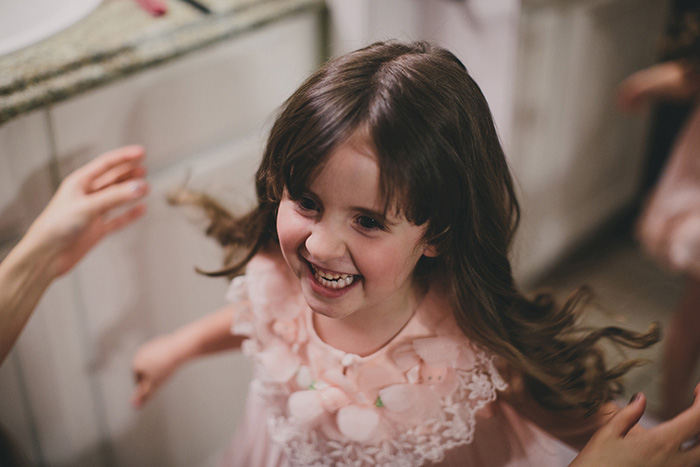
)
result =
(378, 303)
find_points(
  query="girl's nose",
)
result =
(324, 244)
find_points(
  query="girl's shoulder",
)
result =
(267, 292)
(269, 272)
(268, 257)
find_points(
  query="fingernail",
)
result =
(635, 396)
(137, 186)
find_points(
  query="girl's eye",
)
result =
(307, 204)
(369, 223)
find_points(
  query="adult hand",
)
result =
(79, 214)
(621, 442)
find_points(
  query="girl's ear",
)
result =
(430, 251)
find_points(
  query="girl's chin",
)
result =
(326, 312)
(327, 303)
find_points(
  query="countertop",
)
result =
(118, 39)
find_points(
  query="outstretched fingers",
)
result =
(105, 162)
(116, 195)
(142, 391)
(123, 172)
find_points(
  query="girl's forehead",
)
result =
(350, 169)
(354, 159)
(355, 156)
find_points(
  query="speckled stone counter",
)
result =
(118, 39)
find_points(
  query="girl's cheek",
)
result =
(283, 224)
(284, 213)
(290, 226)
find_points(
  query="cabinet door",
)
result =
(201, 119)
(25, 172)
(577, 160)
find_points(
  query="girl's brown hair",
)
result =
(440, 158)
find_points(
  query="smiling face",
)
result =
(354, 264)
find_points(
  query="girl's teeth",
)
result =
(333, 281)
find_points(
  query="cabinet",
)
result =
(203, 120)
(578, 161)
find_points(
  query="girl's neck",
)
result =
(365, 333)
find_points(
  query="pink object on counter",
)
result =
(154, 7)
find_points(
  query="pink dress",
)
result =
(427, 397)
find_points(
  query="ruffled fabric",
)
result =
(409, 403)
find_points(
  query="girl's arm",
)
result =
(78, 216)
(673, 80)
(156, 360)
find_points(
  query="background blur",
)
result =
(199, 92)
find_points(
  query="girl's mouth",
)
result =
(332, 281)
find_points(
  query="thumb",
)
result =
(141, 393)
(627, 417)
